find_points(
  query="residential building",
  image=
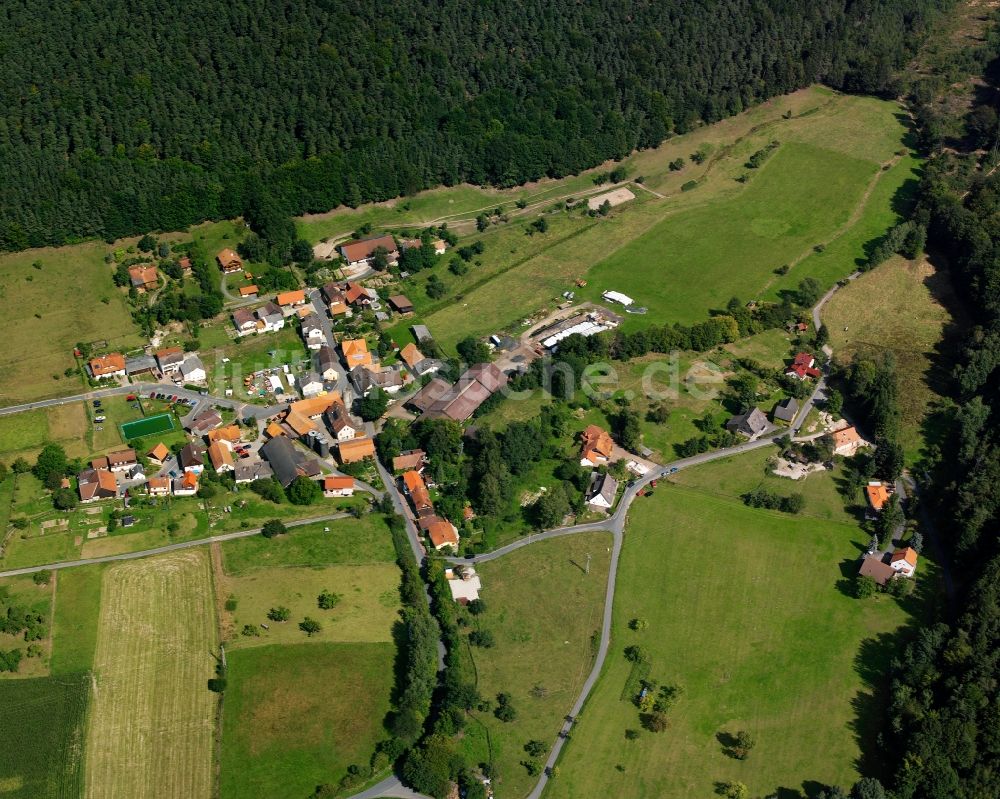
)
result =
(315, 407)
(106, 367)
(336, 486)
(904, 561)
(95, 484)
(231, 433)
(596, 446)
(413, 459)
(803, 366)
(288, 301)
(326, 363)
(158, 454)
(603, 490)
(443, 534)
(360, 253)
(786, 410)
(417, 362)
(121, 460)
(873, 566)
(192, 458)
(186, 485)
(343, 427)
(158, 486)
(220, 453)
(356, 294)
(312, 331)
(400, 304)
(287, 462)
(204, 421)
(249, 292)
(365, 378)
(192, 369)
(310, 384)
(250, 469)
(464, 583)
(265, 319)
(847, 441)
(877, 494)
(229, 261)
(355, 353)
(169, 359)
(184, 263)
(750, 424)
(143, 277)
(331, 293)
(356, 449)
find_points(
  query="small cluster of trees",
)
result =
(757, 160)
(762, 498)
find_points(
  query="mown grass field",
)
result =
(543, 611)
(900, 307)
(49, 310)
(823, 186)
(24, 434)
(747, 612)
(151, 720)
(297, 716)
(41, 736)
(350, 541)
(76, 619)
(368, 607)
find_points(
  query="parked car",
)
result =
(99, 418)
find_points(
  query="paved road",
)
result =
(390, 786)
(145, 553)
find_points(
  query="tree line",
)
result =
(157, 116)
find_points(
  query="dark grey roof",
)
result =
(786, 410)
(286, 461)
(192, 455)
(140, 363)
(421, 332)
(751, 423)
(604, 486)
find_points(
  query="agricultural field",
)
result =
(749, 612)
(54, 298)
(41, 736)
(838, 178)
(544, 628)
(76, 619)
(151, 722)
(297, 716)
(23, 435)
(902, 307)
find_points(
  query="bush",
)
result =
(864, 587)
(481, 638)
(328, 600)
(42, 577)
(273, 527)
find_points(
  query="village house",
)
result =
(158, 454)
(288, 301)
(356, 449)
(335, 486)
(443, 533)
(803, 366)
(343, 427)
(192, 369)
(877, 494)
(230, 433)
(365, 378)
(417, 362)
(356, 294)
(312, 332)
(287, 462)
(355, 353)
(315, 407)
(904, 561)
(229, 261)
(413, 459)
(143, 277)
(603, 490)
(186, 485)
(336, 300)
(326, 363)
(220, 453)
(786, 410)
(185, 263)
(96, 484)
(250, 469)
(873, 566)
(847, 441)
(361, 253)
(158, 486)
(169, 359)
(265, 319)
(107, 367)
(400, 304)
(750, 425)
(204, 421)
(310, 384)
(596, 446)
(249, 292)
(121, 460)
(192, 458)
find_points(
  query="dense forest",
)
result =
(119, 118)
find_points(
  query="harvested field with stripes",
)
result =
(152, 716)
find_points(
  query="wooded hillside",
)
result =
(120, 118)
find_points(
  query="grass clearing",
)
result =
(41, 736)
(297, 716)
(543, 611)
(24, 434)
(75, 622)
(899, 307)
(151, 723)
(350, 541)
(368, 607)
(52, 308)
(746, 612)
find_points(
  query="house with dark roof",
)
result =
(204, 421)
(425, 398)
(250, 469)
(476, 385)
(286, 461)
(340, 422)
(141, 365)
(192, 458)
(750, 424)
(326, 362)
(786, 410)
(400, 304)
(365, 378)
(873, 566)
(603, 489)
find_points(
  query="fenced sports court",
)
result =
(150, 425)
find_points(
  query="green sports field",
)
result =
(148, 426)
(747, 611)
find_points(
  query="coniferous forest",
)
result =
(119, 118)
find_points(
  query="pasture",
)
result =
(901, 307)
(748, 612)
(41, 736)
(151, 721)
(368, 607)
(54, 298)
(24, 434)
(543, 611)
(297, 716)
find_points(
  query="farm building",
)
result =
(361, 253)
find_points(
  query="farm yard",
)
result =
(743, 609)
(544, 626)
(151, 720)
